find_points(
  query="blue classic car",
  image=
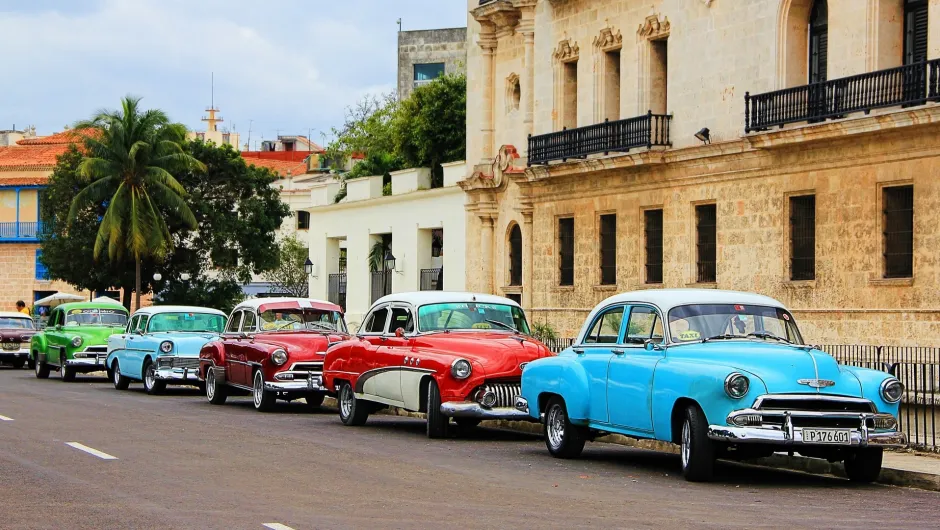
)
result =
(721, 373)
(161, 346)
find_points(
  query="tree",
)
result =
(129, 160)
(289, 276)
(237, 210)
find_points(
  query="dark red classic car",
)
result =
(272, 348)
(451, 355)
(16, 330)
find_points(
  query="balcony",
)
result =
(904, 86)
(609, 137)
(432, 279)
(20, 232)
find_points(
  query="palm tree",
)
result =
(129, 161)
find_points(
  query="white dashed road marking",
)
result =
(4, 418)
(276, 526)
(89, 450)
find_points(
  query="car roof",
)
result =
(420, 298)
(90, 305)
(14, 314)
(261, 304)
(157, 309)
(667, 299)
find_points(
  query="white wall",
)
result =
(401, 215)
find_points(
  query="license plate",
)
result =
(827, 436)
(11, 346)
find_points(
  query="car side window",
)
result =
(132, 325)
(142, 323)
(233, 322)
(402, 318)
(52, 318)
(606, 327)
(376, 321)
(644, 324)
(248, 324)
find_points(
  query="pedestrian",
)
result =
(21, 307)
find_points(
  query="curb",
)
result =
(815, 466)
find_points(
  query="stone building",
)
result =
(424, 55)
(785, 147)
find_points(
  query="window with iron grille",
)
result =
(915, 31)
(705, 242)
(566, 251)
(898, 203)
(803, 237)
(608, 233)
(515, 256)
(653, 227)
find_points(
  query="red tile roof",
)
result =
(30, 157)
(281, 167)
(59, 138)
(23, 181)
(292, 156)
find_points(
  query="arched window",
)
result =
(818, 41)
(515, 256)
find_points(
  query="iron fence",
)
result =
(381, 284)
(908, 85)
(337, 289)
(610, 136)
(432, 279)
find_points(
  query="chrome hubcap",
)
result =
(686, 443)
(555, 425)
(258, 389)
(210, 384)
(345, 402)
(150, 378)
(36, 366)
(117, 374)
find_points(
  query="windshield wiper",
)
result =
(767, 335)
(723, 336)
(502, 325)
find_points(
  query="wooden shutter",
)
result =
(915, 32)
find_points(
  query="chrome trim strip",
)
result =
(472, 409)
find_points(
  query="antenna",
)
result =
(399, 25)
(212, 97)
(249, 133)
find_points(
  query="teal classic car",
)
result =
(161, 346)
(75, 339)
(722, 374)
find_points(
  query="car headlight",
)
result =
(461, 369)
(737, 385)
(891, 390)
(166, 346)
(76, 341)
(279, 357)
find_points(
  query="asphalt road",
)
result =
(179, 462)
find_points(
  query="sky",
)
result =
(281, 65)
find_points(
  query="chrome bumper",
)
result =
(177, 375)
(12, 355)
(88, 362)
(787, 434)
(472, 409)
(294, 386)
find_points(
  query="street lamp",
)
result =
(389, 266)
(157, 276)
(308, 266)
(185, 276)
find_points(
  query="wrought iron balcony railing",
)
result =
(20, 231)
(909, 85)
(607, 137)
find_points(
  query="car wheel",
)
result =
(563, 438)
(695, 448)
(864, 465)
(216, 392)
(314, 400)
(120, 381)
(438, 423)
(151, 384)
(42, 369)
(352, 411)
(263, 399)
(67, 374)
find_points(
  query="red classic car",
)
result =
(272, 348)
(16, 331)
(451, 355)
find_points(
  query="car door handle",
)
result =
(579, 351)
(615, 351)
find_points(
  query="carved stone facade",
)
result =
(717, 51)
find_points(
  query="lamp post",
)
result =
(389, 266)
(185, 276)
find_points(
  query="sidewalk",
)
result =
(907, 469)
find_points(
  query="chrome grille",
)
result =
(96, 349)
(307, 367)
(813, 403)
(505, 393)
(186, 362)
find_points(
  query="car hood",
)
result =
(780, 367)
(16, 334)
(299, 345)
(499, 354)
(184, 344)
(90, 334)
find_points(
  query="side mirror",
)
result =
(400, 332)
(58, 327)
(649, 345)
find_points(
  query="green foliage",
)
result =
(367, 129)
(289, 275)
(543, 331)
(387, 189)
(377, 256)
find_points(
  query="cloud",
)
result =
(288, 66)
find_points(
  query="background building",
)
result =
(213, 133)
(784, 147)
(424, 55)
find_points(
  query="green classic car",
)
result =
(75, 339)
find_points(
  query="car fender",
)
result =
(212, 354)
(699, 382)
(338, 364)
(870, 381)
(560, 375)
(38, 344)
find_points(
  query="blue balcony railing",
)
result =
(20, 231)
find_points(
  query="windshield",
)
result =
(15, 323)
(729, 321)
(194, 322)
(96, 317)
(438, 317)
(301, 319)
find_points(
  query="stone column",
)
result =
(527, 264)
(488, 46)
(528, 80)
(486, 258)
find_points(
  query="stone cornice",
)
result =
(503, 15)
(653, 28)
(608, 40)
(567, 50)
